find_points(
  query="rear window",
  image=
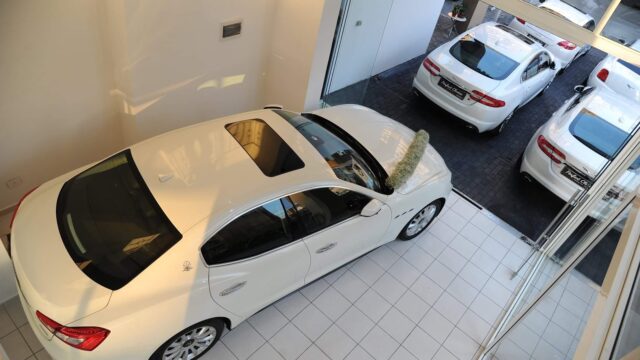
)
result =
(483, 59)
(630, 66)
(110, 223)
(597, 134)
(267, 149)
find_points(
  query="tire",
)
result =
(416, 226)
(500, 128)
(209, 330)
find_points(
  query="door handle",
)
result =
(233, 288)
(326, 248)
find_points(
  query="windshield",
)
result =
(343, 154)
(110, 223)
(597, 134)
(483, 59)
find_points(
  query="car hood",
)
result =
(48, 278)
(387, 140)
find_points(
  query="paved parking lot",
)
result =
(485, 168)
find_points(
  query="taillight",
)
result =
(15, 211)
(82, 337)
(521, 20)
(551, 151)
(432, 68)
(485, 99)
(603, 74)
(567, 45)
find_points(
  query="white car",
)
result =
(564, 50)
(152, 251)
(618, 75)
(567, 152)
(485, 74)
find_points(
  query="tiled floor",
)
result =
(436, 296)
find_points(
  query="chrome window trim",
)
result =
(208, 237)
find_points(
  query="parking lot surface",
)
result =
(485, 168)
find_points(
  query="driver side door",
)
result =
(336, 232)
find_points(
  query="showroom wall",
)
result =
(81, 79)
(380, 34)
(55, 110)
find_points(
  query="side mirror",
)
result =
(580, 89)
(372, 208)
(552, 65)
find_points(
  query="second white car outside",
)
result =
(618, 75)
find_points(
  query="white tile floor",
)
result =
(435, 297)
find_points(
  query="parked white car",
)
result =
(152, 251)
(618, 75)
(564, 50)
(566, 153)
(485, 74)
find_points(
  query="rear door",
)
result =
(536, 76)
(255, 260)
(337, 231)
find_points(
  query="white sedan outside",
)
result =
(618, 75)
(567, 152)
(485, 74)
(151, 252)
(564, 50)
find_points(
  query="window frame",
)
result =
(535, 60)
(211, 234)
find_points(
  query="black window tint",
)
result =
(597, 134)
(272, 154)
(345, 160)
(590, 25)
(321, 208)
(260, 230)
(532, 69)
(545, 62)
(110, 223)
(482, 58)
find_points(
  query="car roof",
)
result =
(617, 110)
(201, 171)
(572, 13)
(504, 42)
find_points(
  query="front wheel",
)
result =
(192, 342)
(420, 221)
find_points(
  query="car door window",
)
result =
(257, 231)
(320, 208)
(532, 69)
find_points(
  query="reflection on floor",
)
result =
(552, 330)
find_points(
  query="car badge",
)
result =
(186, 266)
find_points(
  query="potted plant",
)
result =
(458, 10)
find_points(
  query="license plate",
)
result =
(452, 88)
(575, 176)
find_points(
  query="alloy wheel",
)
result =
(191, 344)
(421, 220)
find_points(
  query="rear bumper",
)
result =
(541, 168)
(483, 118)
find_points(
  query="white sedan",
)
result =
(564, 50)
(566, 153)
(151, 252)
(618, 75)
(485, 74)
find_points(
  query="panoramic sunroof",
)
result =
(267, 149)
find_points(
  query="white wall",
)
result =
(392, 32)
(299, 51)
(175, 70)
(81, 79)
(409, 29)
(55, 110)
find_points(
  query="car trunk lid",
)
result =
(48, 279)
